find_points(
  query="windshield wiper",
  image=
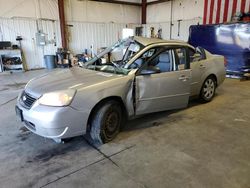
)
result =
(115, 65)
(92, 63)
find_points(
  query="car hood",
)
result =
(74, 78)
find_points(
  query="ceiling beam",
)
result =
(130, 3)
(118, 2)
(157, 2)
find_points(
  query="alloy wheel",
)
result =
(209, 88)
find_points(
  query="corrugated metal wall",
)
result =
(180, 32)
(27, 28)
(183, 30)
(81, 36)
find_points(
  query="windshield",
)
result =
(113, 58)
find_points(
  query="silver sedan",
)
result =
(133, 77)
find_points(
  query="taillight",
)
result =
(225, 62)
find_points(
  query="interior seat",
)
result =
(164, 62)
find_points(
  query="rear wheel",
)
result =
(106, 122)
(208, 89)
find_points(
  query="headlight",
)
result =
(57, 98)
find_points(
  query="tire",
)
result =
(106, 122)
(208, 89)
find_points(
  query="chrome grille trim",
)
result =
(27, 100)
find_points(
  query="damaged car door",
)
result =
(160, 85)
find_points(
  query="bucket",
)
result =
(50, 61)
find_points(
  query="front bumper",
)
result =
(54, 122)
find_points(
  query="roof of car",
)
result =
(147, 41)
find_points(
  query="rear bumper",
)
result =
(54, 122)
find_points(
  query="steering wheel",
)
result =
(134, 65)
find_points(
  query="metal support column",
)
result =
(144, 12)
(62, 23)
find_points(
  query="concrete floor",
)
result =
(205, 145)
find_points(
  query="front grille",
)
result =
(27, 100)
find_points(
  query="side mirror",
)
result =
(196, 57)
(201, 51)
(148, 72)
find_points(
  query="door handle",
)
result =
(183, 78)
(202, 66)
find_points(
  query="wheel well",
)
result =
(211, 75)
(214, 77)
(103, 101)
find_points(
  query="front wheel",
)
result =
(106, 122)
(208, 89)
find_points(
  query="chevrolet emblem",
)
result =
(24, 98)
